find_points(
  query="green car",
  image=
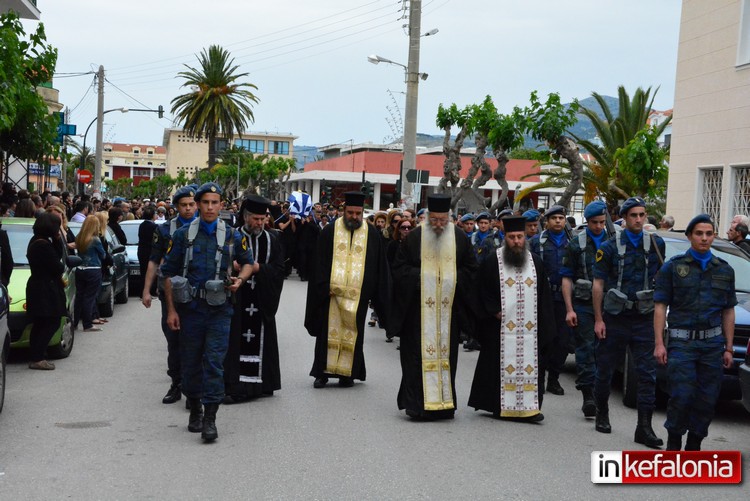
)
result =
(19, 233)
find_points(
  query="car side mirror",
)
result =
(73, 261)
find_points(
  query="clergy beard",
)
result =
(254, 232)
(352, 224)
(516, 256)
(434, 240)
(430, 230)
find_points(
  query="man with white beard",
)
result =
(433, 274)
(515, 329)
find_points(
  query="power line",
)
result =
(88, 90)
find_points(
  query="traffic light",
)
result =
(326, 192)
(367, 189)
(160, 111)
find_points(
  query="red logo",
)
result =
(666, 467)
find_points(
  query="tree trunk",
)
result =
(500, 172)
(469, 191)
(568, 149)
(211, 152)
(452, 163)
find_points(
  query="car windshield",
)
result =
(131, 233)
(19, 236)
(737, 261)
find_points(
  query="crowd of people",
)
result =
(524, 288)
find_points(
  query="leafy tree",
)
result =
(447, 118)
(27, 129)
(216, 104)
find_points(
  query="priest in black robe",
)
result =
(515, 327)
(350, 270)
(251, 368)
(433, 275)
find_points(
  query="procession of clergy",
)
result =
(520, 298)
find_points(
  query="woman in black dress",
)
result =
(45, 291)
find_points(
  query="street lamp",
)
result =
(83, 149)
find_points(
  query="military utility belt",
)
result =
(694, 333)
(615, 302)
(555, 288)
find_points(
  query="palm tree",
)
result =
(216, 104)
(82, 156)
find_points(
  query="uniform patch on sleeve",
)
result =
(244, 243)
(599, 255)
(156, 237)
(682, 270)
(169, 247)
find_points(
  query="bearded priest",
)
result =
(349, 270)
(433, 274)
(515, 329)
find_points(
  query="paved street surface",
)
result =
(95, 428)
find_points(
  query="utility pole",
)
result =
(412, 90)
(99, 132)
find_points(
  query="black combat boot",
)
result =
(602, 416)
(195, 421)
(589, 405)
(644, 434)
(173, 395)
(553, 385)
(693, 442)
(210, 433)
(674, 441)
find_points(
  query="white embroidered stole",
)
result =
(438, 285)
(347, 276)
(519, 364)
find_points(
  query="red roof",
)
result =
(128, 148)
(386, 162)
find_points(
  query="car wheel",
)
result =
(67, 338)
(107, 309)
(122, 296)
(629, 382)
(3, 360)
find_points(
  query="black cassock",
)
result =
(485, 388)
(251, 367)
(375, 288)
(406, 313)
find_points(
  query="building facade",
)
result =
(710, 149)
(135, 161)
(190, 154)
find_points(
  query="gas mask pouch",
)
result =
(645, 301)
(216, 295)
(615, 302)
(582, 289)
(182, 291)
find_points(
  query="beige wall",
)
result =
(711, 124)
(191, 154)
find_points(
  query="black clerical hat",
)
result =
(514, 223)
(354, 199)
(438, 203)
(255, 204)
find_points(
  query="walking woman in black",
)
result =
(45, 291)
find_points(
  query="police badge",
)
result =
(682, 270)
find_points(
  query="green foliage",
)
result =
(506, 133)
(645, 160)
(452, 116)
(530, 154)
(27, 129)
(547, 122)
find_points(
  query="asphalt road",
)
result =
(95, 428)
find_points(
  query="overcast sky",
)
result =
(309, 58)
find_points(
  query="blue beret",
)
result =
(421, 211)
(207, 188)
(595, 208)
(630, 203)
(505, 212)
(555, 210)
(700, 218)
(483, 215)
(531, 215)
(185, 191)
(467, 217)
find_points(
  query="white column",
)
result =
(495, 195)
(376, 196)
(315, 192)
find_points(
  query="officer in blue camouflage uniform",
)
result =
(698, 288)
(495, 239)
(550, 246)
(482, 232)
(204, 329)
(467, 223)
(532, 222)
(623, 315)
(577, 274)
(183, 201)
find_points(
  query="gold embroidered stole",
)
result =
(519, 364)
(438, 285)
(347, 275)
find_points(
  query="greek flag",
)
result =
(300, 204)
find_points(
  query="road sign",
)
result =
(418, 176)
(84, 176)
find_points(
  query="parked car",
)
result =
(131, 233)
(114, 286)
(20, 231)
(677, 243)
(4, 340)
(744, 375)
